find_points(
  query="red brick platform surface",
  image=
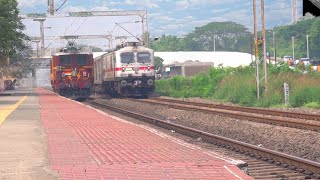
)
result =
(84, 143)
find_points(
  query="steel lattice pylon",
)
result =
(51, 7)
(294, 11)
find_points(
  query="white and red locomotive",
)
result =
(126, 71)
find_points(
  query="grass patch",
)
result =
(237, 85)
(312, 105)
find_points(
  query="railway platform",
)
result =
(51, 137)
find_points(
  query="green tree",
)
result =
(229, 36)
(283, 37)
(168, 43)
(158, 63)
(12, 39)
(315, 38)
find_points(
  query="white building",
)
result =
(226, 59)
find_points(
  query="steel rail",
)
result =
(294, 123)
(272, 112)
(292, 162)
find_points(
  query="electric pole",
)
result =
(260, 41)
(214, 43)
(264, 46)
(256, 53)
(307, 45)
(293, 58)
(274, 47)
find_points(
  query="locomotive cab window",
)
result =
(65, 60)
(143, 57)
(82, 59)
(127, 57)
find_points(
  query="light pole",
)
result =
(256, 46)
(264, 39)
(293, 55)
(307, 45)
(274, 47)
(214, 43)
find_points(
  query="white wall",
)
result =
(227, 59)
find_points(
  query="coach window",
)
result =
(126, 57)
(143, 57)
(65, 60)
(82, 59)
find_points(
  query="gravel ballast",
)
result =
(301, 143)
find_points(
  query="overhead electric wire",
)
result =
(61, 5)
(80, 25)
(66, 28)
(129, 32)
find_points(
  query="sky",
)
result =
(164, 16)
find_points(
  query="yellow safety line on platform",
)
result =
(6, 111)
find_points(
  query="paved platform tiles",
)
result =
(84, 143)
(22, 142)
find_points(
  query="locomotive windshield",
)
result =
(65, 60)
(143, 57)
(82, 59)
(127, 57)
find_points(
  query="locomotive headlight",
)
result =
(150, 82)
(123, 69)
(123, 83)
(148, 68)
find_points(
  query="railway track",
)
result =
(262, 116)
(270, 112)
(262, 163)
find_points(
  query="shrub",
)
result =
(238, 85)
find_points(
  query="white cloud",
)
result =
(129, 2)
(100, 8)
(164, 18)
(210, 2)
(184, 19)
(182, 4)
(220, 10)
(74, 9)
(30, 3)
(146, 3)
